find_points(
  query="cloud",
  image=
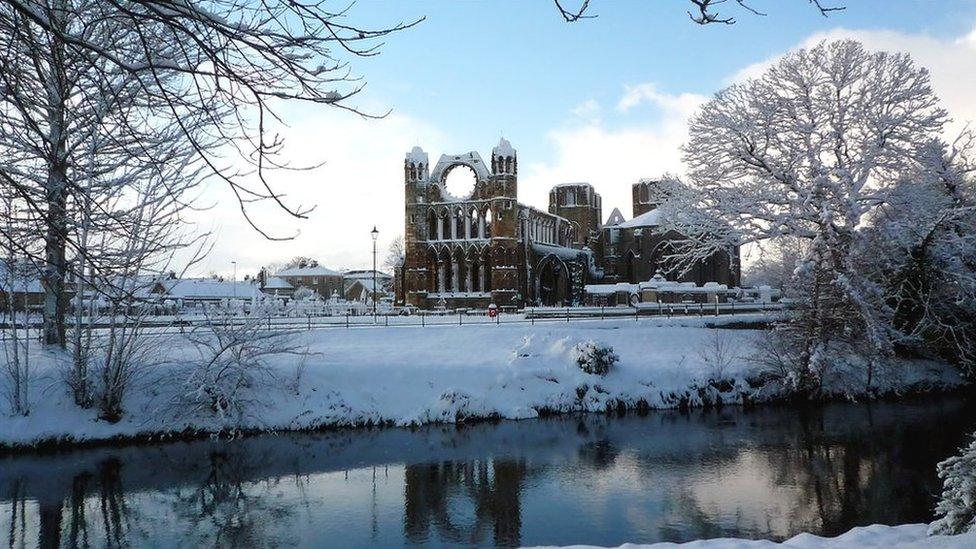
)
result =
(588, 110)
(359, 186)
(612, 157)
(647, 93)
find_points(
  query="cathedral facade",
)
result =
(486, 247)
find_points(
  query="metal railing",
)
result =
(425, 319)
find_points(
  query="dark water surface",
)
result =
(667, 476)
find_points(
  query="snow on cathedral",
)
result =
(487, 247)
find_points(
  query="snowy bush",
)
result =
(957, 507)
(719, 354)
(594, 357)
(235, 367)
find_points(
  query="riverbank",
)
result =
(408, 376)
(904, 536)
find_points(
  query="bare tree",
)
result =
(703, 11)
(224, 62)
(16, 277)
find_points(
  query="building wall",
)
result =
(485, 248)
(323, 285)
(635, 255)
(583, 207)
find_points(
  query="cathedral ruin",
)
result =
(487, 247)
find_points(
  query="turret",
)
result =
(504, 160)
(416, 173)
(416, 166)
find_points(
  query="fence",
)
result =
(424, 319)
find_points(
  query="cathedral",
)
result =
(487, 247)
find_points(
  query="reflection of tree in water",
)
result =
(69, 521)
(493, 487)
(113, 512)
(18, 514)
(226, 510)
(847, 478)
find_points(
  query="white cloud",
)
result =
(360, 185)
(588, 110)
(611, 159)
(647, 93)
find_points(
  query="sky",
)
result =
(602, 100)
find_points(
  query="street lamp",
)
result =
(375, 234)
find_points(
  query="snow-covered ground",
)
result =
(414, 375)
(905, 536)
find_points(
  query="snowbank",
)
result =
(411, 375)
(890, 537)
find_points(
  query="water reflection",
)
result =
(591, 479)
(470, 503)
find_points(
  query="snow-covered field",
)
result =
(412, 375)
(905, 536)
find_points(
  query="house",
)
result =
(23, 285)
(278, 287)
(358, 285)
(194, 291)
(319, 279)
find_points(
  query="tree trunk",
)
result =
(55, 266)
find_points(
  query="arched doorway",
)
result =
(553, 282)
(632, 269)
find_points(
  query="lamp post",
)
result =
(234, 282)
(374, 233)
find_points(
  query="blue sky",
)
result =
(602, 100)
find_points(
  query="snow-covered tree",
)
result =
(921, 247)
(775, 264)
(808, 150)
(233, 371)
(395, 254)
(957, 506)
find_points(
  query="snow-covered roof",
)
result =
(208, 288)
(562, 252)
(578, 184)
(607, 289)
(317, 270)
(646, 219)
(616, 218)
(275, 283)
(366, 284)
(470, 159)
(26, 280)
(503, 148)
(366, 275)
(658, 283)
(417, 156)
